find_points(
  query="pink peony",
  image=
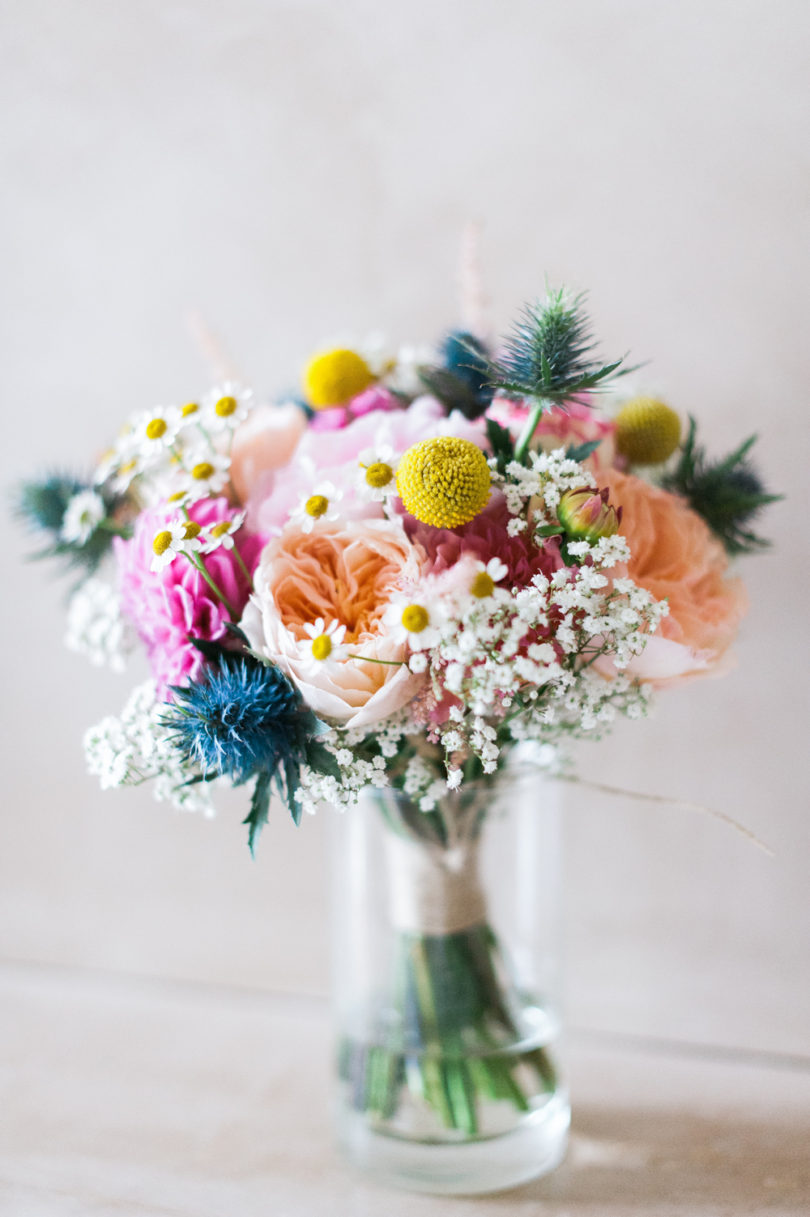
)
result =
(486, 537)
(263, 443)
(334, 456)
(167, 606)
(334, 418)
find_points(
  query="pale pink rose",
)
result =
(334, 456)
(675, 556)
(346, 573)
(578, 422)
(263, 443)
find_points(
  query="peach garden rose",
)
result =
(675, 556)
(345, 574)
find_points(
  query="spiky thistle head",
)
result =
(462, 381)
(240, 718)
(727, 493)
(549, 355)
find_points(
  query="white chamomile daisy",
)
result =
(318, 506)
(153, 432)
(225, 407)
(376, 476)
(205, 472)
(219, 535)
(485, 576)
(414, 618)
(178, 537)
(326, 643)
(83, 513)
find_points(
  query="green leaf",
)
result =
(259, 810)
(501, 442)
(581, 452)
(322, 759)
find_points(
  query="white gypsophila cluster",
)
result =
(135, 748)
(540, 485)
(498, 655)
(175, 450)
(362, 760)
(96, 628)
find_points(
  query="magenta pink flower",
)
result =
(169, 605)
(486, 537)
(334, 418)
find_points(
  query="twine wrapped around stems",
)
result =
(433, 891)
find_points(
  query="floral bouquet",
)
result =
(390, 582)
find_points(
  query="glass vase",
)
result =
(446, 985)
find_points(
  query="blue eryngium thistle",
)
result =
(549, 356)
(240, 718)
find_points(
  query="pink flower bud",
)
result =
(586, 515)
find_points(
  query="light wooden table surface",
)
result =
(139, 1098)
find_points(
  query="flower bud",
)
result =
(586, 515)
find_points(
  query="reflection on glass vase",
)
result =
(446, 985)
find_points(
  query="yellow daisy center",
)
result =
(316, 505)
(191, 530)
(219, 530)
(226, 406)
(483, 585)
(333, 377)
(647, 431)
(189, 408)
(162, 542)
(444, 482)
(415, 618)
(379, 474)
(322, 646)
(176, 497)
(156, 427)
(202, 471)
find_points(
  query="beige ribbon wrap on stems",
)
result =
(431, 890)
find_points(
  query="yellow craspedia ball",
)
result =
(647, 431)
(333, 377)
(444, 482)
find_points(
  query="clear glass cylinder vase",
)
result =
(446, 985)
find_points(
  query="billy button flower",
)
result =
(444, 482)
(331, 378)
(586, 515)
(648, 431)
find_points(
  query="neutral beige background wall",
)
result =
(296, 169)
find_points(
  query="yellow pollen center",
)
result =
(127, 467)
(161, 542)
(190, 407)
(219, 530)
(483, 585)
(379, 474)
(322, 646)
(415, 618)
(225, 407)
(191, 530)
(156, 427)
(202, 471)
(316, 505)
(176, 497)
